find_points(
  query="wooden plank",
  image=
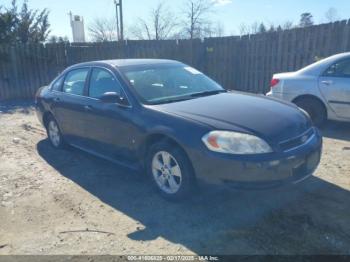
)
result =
(246, 63)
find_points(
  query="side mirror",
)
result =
(113, 97)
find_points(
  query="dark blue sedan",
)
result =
(179, 125)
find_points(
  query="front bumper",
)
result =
(265, 170)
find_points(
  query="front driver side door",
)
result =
(109, 126)
(335, 87)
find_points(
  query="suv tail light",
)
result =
(274, 82)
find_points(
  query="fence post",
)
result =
(14, 81)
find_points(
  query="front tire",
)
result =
(170, 170)
(54, 134)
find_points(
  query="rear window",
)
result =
(75, 81)
(57, 85)
(339, 69)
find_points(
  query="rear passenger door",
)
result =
(335, 87)
(109, 126)
(69, 105)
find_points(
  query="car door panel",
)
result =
(334, 85)
(68, 108)
(70, 114)
(109, 126)
(337, 93)
(110, 129)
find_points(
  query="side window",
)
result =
(339, 69)
(75, 81)
(56, 86)
(101, 82)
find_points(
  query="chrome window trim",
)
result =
(88, 79)
(71, 70)
(324, 74)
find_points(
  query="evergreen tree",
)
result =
(306, 19)
(24, 26)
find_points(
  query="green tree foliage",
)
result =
(24, 25)
(306, 19)
(58, 39)
(262, 28)
(8, 23)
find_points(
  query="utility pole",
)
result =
(121, 20)
(119, 17)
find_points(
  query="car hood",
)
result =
(271, 119)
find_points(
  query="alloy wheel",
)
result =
(54, 133)
(166, 172)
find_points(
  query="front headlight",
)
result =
(235, 143)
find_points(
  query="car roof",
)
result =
(128, 62)
(320, 66)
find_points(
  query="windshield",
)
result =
(170, 83)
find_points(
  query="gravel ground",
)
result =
(67, 202)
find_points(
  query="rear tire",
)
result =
(170, 170)
(54, 133)
(315, 109)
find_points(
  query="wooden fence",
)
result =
(242, 63)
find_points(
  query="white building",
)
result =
(77, 24)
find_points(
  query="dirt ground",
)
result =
(67, 202)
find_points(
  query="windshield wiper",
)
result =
(188, 97)
(208, 93)
(172, 100)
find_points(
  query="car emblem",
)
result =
(304, 139)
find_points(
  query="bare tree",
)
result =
(213, 30)
(159, 26)
(103, 29)
(244, 29)
(287, 25)
(196, 18)
(332, 15)
(254, 28)
(219, 30)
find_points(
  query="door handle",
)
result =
(327, 82)
(88, 108)
(56, 99)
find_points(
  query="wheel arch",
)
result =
(46, 117)
(311, 97)
(160, 137)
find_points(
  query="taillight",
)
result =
(274, 82)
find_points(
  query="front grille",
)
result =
(297, 141)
